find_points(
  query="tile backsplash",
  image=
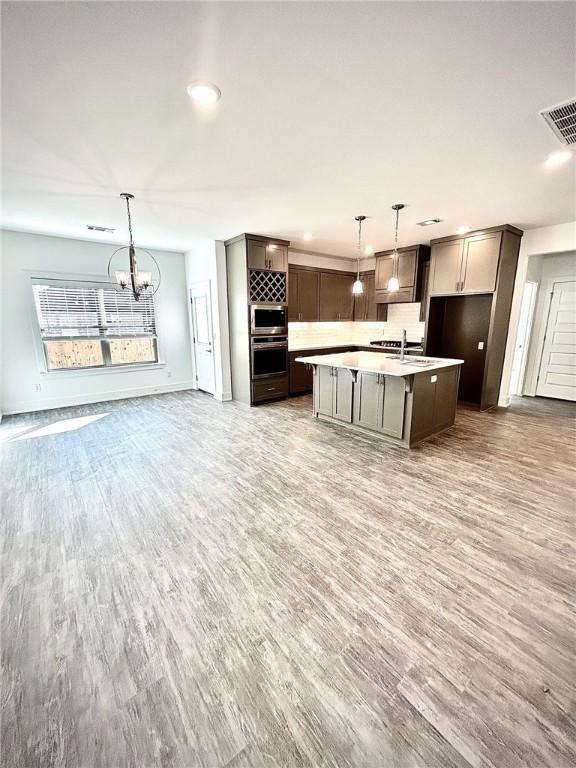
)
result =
(399, 316)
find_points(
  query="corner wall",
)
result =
(560, 238)
(25, 386)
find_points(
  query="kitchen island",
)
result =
(403, 401)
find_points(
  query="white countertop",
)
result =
(378, 362)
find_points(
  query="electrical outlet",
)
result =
(480, 345)
(37, 387)
(169, 374)
(433, 379)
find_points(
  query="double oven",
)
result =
(268, 340)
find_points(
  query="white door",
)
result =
(557, 375)
(202, 337)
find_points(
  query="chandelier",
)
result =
(143, 274)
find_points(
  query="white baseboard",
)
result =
(48, 404)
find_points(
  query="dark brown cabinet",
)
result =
(471, 288)
(365, 307)
(263, 254)
(303, 295)
(410, 265)
(465, 265)
(336, 297)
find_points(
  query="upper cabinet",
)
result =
(466, 264)
(409, 270)
(266, 254)
(303, 294)
(336, 297)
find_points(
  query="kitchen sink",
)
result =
(421, 361)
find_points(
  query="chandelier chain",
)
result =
(129, 220)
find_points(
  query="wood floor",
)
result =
(193, 584)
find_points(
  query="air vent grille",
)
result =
(562, 121)
(96, 228)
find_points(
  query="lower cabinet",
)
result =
(269, 389)
(333, 392)
(379, 403)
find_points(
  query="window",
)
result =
(92, 327)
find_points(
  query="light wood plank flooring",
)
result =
(197, 585)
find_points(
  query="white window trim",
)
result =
(39, 277)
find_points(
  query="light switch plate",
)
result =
(480, 345)
(433, 379)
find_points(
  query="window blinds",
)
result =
(69, 311)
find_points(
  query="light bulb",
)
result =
(393, 284)
(557, 158)
(143, 278)
(121, 278)
(204, 93)
(357, 288)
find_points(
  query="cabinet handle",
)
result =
(271, 389)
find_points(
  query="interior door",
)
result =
(480, 263)
(557, 375)
(445, 267)
(201, 307)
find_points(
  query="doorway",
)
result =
(525, 323)
(557, 372)
(202, 337)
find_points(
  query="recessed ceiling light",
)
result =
(558, 158)
(307, 236)
(428, 222)
(463, 229)
(203, 92)
(369, 250)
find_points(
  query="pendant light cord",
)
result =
(359, 248)
(129, 220)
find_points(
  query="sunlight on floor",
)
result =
(58, 427)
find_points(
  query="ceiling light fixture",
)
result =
(358, 288)
(141, 281)
(428, 222)
(558, 158)
(203, 92)
(394, 283)
(463, 229)
(369, 250)
(307, 236)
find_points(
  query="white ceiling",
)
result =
(328, 110)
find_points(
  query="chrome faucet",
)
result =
(402, 345)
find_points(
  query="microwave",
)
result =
(268, 320)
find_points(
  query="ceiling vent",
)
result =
(562, 121)
(95, 228)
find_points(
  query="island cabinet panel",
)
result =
(333, 392)
(336, 297)
(434, 398)
(393, 406)
(368, 400)
(379, 403)
(324, 401)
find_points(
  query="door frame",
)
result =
(204, 285)
(526, 332)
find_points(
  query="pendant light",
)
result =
(393, 283)
(358, 288)
(144, 281)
